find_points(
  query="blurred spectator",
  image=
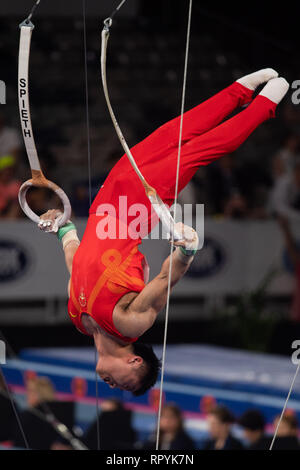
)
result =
(10, 142)
(220, 421)
(294, 258)
(8, 417)
(285, 196)
(253, 424)
(39, 432)
(9, 188)
(172, 434)
(283, 160)
(39, 390)
(236, 207)
(287, 434)
(115, 428)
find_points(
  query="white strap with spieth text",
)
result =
(23, 88)
(38, 179)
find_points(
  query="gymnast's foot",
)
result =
(253, 80)
(275, 89)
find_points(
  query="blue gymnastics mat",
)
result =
(193, 375)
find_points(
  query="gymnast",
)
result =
(110, 298)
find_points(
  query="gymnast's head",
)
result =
(135, 370)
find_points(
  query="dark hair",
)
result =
(253, 420)
(176, 412)
(149, 370)
(223, 414)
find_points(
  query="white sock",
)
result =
(253, 80)
(275, 89)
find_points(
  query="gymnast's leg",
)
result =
(224, 139)
(201, 150)
(201, 118)
(152, 153)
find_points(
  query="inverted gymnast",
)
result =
(110, 297)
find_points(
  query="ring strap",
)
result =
(38, 179)
(24, 106)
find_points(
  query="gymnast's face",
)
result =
(120, 372)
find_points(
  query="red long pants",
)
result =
(204, 140)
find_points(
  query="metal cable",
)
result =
(33, 10)
(14, 409)
(285, 405)
(87, 110)
(117, 9)
(175, 204)
(97, 403)
(48, 414)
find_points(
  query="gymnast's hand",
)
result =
(48, 221)
(190, 240)
(66, 234)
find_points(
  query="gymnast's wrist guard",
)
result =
(185, 256)
(67, 234)
(187, 252)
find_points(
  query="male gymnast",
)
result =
(110, 297)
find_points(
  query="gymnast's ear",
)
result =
(136, 360)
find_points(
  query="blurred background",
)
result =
(236, 313)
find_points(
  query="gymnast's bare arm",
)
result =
(142, 312)
(71, 247)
